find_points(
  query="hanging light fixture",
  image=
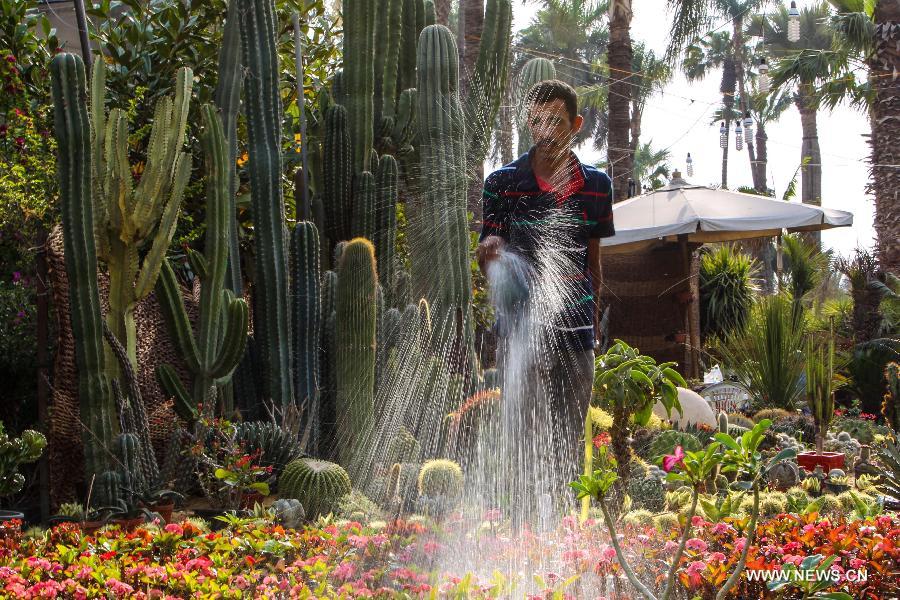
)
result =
(793, 32)
(748, 126)
(689, 164)
(738, 135)
(723, 136)
(763, 75)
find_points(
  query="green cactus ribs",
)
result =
(306, 313)
(317, 484)
(212, 355)
(73, 136)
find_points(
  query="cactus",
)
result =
(890, 406)
(819, 383)
(271, 318)
(24, 449)
(784, 475)
(385, 238)
(126, 218)
(364, 206)
(403, 447)
(338, 170)
(306, 326)
(723, 422)
(359, 77)
(73, 137)
(666, 442)
(440, 477)
(486, 84)
(413, 18)
(534, 71)
(319, 485)
(227, 97)
(444, 275)
(215, 351)
(277, 446)
(107, 489)
(355, 348)
(386, 78)
(128, 451)
(401, 485)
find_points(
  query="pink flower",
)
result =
(696, 545)
(671, 546)
(671, 460)
(697, 521)
(739, 544)
(716, 557)
(344, 571)
(722, 528)
(694, 570)
(174, 528)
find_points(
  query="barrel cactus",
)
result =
(440, 477)
(403, 447)
(276, 446)
(319, 485)
(288, 512)
(784, 475)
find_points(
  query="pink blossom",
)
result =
(739, 544)
(671, 460)
(671, 546)
(697, 521)
(722, 528)
(174, 528)
(119, 588)
(608, 552)
(857, 563)
(696, 545)
(344, 571)
(716, 557)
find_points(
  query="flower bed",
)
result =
(403, 560)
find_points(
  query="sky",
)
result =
(680, 119)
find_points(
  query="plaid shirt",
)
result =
(552, 230)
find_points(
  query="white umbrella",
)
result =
(709, 215)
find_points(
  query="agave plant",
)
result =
(726, 290)
(888, 481)
(767, 355)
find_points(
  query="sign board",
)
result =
(727, 397)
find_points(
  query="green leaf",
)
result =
(833, 596)
(810, 561)
(222, 473)
(261, 487)
(785, 454)
(728, 441)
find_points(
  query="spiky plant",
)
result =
(819, 386)
(726, 290)
(319, 485)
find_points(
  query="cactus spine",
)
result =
(73, 137)
(263, 109)
(306, 311)
(534, 71)
(216, 350)
(355, 349)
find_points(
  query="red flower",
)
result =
(671, 460)
(601, 439)
(10, 58)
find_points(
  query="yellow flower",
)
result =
(296, 142)
(242, 159)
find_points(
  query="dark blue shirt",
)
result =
(551, 230)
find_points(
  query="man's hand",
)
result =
(488, 250)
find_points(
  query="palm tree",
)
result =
(713, 52)
(884, 65)
(801, 66)
(619, 59)
(572, 34)
(764, 109)
(651, 167)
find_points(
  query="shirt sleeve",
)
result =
(600, 210)
(495, 216)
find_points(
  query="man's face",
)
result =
(550, 125)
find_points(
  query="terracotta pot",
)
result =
(128, 524)
(164, 510)
(90, 527)
(827, 460)
(250, 499)
(684, 297)
(680, 338)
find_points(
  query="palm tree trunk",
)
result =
(810, 155)
(618, 145)
(759, 183)
(885, 138)
(727, 87)
(636, 115)
(760, 165)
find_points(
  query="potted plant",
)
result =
(160, 501)
(14, 452)
(837, 484)
(820, 396)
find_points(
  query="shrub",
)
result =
(726, 290)
(740, 420)
(773, 414)
(638, 518)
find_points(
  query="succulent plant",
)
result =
(784, 475)
(358, 507)
(440, 477)
(665, 522)
(401, 486)
(638, 518)
(276, 446)
(666, 442)
(647, 493)
(797, 499)
(319, 485)
(24, 449)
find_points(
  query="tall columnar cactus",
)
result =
(385, 238)
(73, 137)
(534, 71)
(128, 450)
(212, 354)
(355, 349)
(387, 52)
(489, 79)
(262, 104)
(338, 175)
(819, 387)
(127, 218)
(364, 206)
(413, 20)
(227, 98)
(441, 270)
(359, 77)
(306, 312)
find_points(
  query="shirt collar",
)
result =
(528, 182)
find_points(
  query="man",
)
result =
(552, 210)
